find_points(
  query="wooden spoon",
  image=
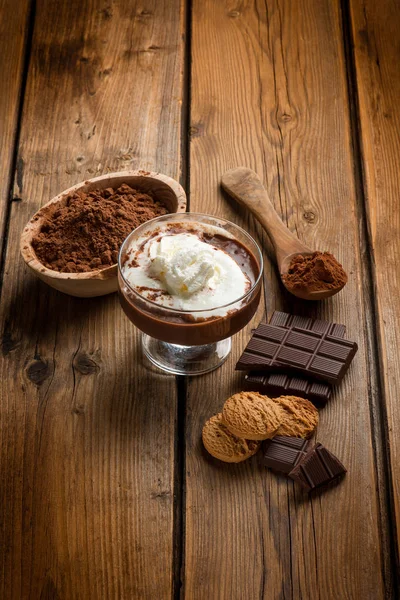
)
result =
(245, 186)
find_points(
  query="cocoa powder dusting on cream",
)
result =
(316, 272)
(87, 230)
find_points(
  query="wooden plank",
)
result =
(376, 41)
(269, 92)
(13, 32)
(87, 431)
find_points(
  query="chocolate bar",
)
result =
(315, 352)
(281, 384)
(283, 453)
(317, 468)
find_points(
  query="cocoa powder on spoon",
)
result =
(316, 272)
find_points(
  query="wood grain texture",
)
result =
(86, 430)
(13, 34)
(269, 92)
(376, 49)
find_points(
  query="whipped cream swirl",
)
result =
(181, 271)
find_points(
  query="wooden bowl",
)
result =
(101, 281)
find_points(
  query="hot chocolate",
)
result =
(188, 282)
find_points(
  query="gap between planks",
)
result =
(181, 382)
(28, 34)
(379, 422)
(179, 491)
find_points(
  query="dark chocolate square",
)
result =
(317, 467)
(283, 453)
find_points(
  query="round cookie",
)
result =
(252, 416)
(300, 417)
(222, 444)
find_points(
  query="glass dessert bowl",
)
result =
(189, 282)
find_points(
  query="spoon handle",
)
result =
(245, 186)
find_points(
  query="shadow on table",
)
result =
(36, 311)
(71, 344)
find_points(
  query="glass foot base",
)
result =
(185, 360)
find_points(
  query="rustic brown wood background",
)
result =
(105, 491)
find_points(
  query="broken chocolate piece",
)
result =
(283, 453)
(317, 468)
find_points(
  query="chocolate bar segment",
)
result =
(280, 384)
(283, 453)
(282, 319)
(316, 354)
(317, 468)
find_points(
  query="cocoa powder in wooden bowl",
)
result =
(86, 233)
(72, 242)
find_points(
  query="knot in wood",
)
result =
(106, 12)
(364, 39)
(309, 216)
(234, 14)
(143, 14)
(160, 495)
(285, 117)
(85, 365)
(7, 341)
(196, 130)
(38, 370)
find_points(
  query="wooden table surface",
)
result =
(105, 491)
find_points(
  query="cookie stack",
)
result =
(247, 418)
(285, 423)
